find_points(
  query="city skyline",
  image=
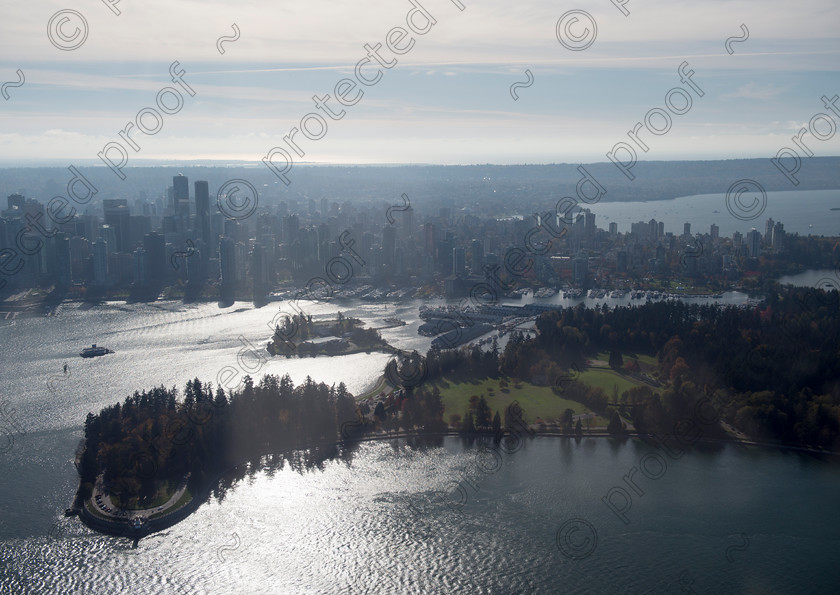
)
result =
(293, 240)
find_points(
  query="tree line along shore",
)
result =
(770, 374)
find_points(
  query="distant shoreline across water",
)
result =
(796, 209)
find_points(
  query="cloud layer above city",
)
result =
(445, 81)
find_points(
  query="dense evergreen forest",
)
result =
(153, 439)
(772, 371)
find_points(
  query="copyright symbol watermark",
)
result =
(67, 30)
(577, 539)
(406, 372)
(588, 30)
(739, 208)
(828, 284)
(144, 465)
(237, 199)
(566, 378)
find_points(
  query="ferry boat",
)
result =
(94, 351)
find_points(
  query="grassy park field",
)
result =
(541, 401)
(599, 374)
(536, 401)
(607, 379)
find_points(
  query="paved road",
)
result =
(117, 513)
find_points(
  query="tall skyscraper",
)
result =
(768, 232)
(259, 269)
(459, 260)
(227, 261)
(778, 237)
(180, 188)
(109, 234)
(140, 266)
(118, 218)
(430, 237)
(290, 227)
(477, 249)
(181, 198)
(60, 265)
(202, 210)
(589, 218)
(714, 232)
(754, 242)
(100, 262)
(408, 222)
(686, 229)
(154, 246)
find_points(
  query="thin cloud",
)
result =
(755, 91)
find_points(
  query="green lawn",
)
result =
(606, 379)
(536, 401)
(647, 363)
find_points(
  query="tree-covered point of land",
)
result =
(154, 438)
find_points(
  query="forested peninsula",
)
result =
(769, 373)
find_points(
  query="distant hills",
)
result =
(497, 188)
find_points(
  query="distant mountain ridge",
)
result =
(463, 185)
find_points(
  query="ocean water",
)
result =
(804, 212)
(451, 518)
(447, 517)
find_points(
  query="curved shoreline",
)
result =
(163, 519)
(123, 528)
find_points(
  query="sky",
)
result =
(486, 82)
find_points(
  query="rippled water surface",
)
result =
(440, 518)
(395, 520)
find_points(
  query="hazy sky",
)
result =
(446, 100)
